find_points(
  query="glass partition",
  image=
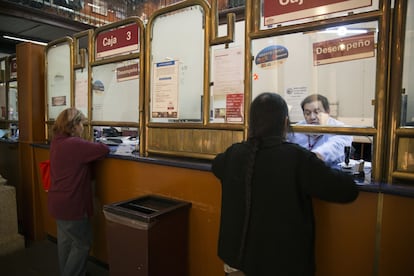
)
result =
(82, 43)
(59, 77)
(407, 95)
(116, 85)
(338, 63)
(3, 106)
(227, 78)
(12, 99)
(115, 92)
(406, 155)
(13, 68)
(81, 90)
(401, 169)
(177, 66)
(121, 140)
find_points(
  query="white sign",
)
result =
(164, 98)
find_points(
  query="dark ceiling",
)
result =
(31, 23)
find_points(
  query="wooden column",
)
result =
(31, 101)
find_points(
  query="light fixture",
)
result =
(24, 40)
(65, 9)
(341, 31)
(94, 6)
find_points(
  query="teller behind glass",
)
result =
(267, 223)
(328, 147)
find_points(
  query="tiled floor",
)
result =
(40, 259)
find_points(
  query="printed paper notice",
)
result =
(81, 96)
(164, 96)
(228, 71)
(294, 96)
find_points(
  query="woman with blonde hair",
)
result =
(70, 198)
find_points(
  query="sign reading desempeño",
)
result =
(344, 49)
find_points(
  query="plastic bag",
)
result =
(45, 173)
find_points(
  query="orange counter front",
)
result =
(351, 239)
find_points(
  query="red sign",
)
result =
(343, 49)
(234, 107)
(277, 11)
(117, 41)
(127, 72)
(13, 68)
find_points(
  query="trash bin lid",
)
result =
(146, 208)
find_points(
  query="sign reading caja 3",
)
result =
(117, 41)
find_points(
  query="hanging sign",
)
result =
(13, 68)
(278, 11)
(118, 41)
(344, 49)
(271, 56)
(127, 72)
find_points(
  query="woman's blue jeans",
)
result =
(74, 239)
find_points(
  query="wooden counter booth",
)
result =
(371, 236)
(177, 93)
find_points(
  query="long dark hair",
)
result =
(268, 114)
(268, 118)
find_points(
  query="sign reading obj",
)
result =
(118, 41)
(278, 11)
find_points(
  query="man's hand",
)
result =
(320, 156)
(323, 118)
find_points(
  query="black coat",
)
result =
(280, 232)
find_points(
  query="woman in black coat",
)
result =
(267, 222)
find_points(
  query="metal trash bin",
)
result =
(147, 236)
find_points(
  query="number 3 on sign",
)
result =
(129, 35)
